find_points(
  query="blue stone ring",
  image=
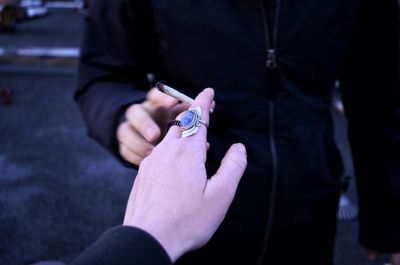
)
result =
(190, 121)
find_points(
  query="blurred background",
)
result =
(59, 190)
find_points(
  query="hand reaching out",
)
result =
(173, 199)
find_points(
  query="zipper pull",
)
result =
(271, 59)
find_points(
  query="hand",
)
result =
(143, 127)
(172, 198)
(394, 257)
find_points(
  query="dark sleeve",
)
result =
(124, 245)
(116, 55)
(370, 89)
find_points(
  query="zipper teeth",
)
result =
(268, 40)
(274, 181)
(271, 51)
(277, 16)
(265, 24)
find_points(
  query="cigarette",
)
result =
(174, 93)
(178, 95)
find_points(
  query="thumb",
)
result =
(221, 188)
(395, 258)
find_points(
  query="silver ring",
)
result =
(190, 122)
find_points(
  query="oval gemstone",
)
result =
(187, 118)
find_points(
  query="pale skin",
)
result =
(143, 129)
(144, 125)
(172, 198)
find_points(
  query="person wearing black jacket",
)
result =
(172, 208)
(273, 65)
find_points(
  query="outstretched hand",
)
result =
(173, 199)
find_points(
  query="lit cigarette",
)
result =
(174, 93)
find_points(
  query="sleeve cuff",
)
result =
(124, 245)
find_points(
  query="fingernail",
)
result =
(241, 148)
(212, 107)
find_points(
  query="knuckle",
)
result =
(144, 151)
(128, 155)
(121, 130)
(123, 151)
(132, 111)
(179, 148)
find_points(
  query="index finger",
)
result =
(203, 101)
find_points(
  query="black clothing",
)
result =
(280, 112)
(124, 245)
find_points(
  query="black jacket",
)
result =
(282, 113)
(124, 245)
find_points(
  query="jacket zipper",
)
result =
(271, 64)
(271, 43)
(274, 182)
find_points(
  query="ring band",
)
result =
(173, 123)
(203, 122)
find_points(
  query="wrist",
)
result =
(168, 238)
